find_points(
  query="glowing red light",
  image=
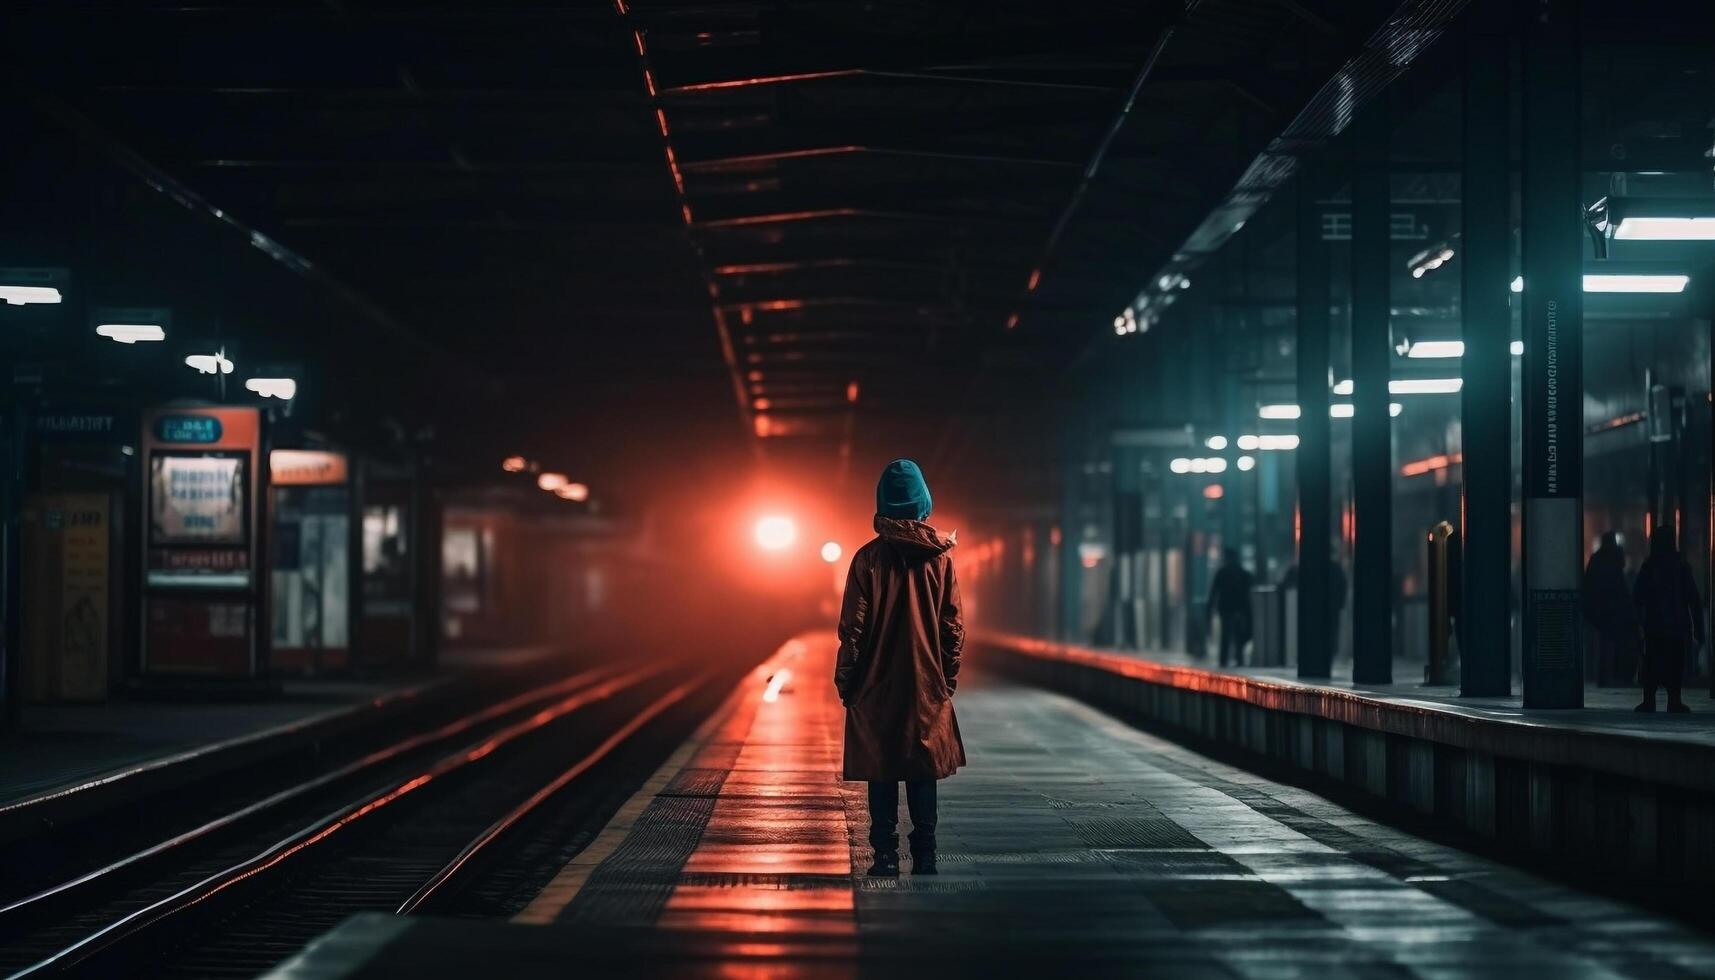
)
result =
(1012, 321)
(1035, 277)
(776, 532)
(1213, 492)
(761, 404)
(852, 392)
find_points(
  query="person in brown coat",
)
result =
(901, 634)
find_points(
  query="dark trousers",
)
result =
(884, 815)
(1664, 665)
(1235, 633)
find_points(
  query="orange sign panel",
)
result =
(306, 467)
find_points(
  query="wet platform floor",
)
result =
(1073, 844)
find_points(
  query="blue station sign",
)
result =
(188, 428)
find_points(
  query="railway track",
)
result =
(427, 823)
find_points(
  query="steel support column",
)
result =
(1071, 590)
(1315, 537)
(1372, 427)
(1552, 253)
(1485, 636)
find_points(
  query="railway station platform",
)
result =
(1072, 843)
(70, 760)
(1603, 790)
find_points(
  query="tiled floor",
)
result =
(1072, 845)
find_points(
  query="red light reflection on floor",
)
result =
(778, 826)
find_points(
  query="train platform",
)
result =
(1072, 843)
(67, 760)
(1601, 788)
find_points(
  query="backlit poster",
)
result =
(197, 500)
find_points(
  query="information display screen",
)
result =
(198, 499)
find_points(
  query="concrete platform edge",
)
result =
(1634, 806)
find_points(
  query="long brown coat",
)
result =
(901, 634)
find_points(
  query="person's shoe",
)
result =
(923, 864)
(1678, 707)
(886, 865)
(1647, 706)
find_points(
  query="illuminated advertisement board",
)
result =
(201, 600)
(197, 499)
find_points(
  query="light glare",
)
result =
(215, 363)
(131, 333)
(284, 389)
(551, 481)
(1666, 229)
(831, 552)
(1437, 348)
(776, 532)
(25, 295)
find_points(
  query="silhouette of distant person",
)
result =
(1230, 599)
(901, 634)
(1671, 613)
(1609, 610)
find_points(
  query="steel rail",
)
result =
(34, 903)
(436, 883)
(142, 920)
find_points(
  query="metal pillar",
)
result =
(1485, 636)
(1372, 428)
(1071, 532)
(1315, 624)
(1552, 389)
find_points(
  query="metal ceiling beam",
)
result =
(188, 198)
(1411, 29)
(823, 214)
(752, 159)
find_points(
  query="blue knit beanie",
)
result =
(902, 492)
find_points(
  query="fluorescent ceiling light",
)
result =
(1180, 465)
(1614, 282)
(1437, 348)
(1277, 442)
(1516, 348)
(1247, 463)
(1665, 229)
(1215, 464)
(215, 363)
(1620, 283)
(131, 333)
(25, 295)
(281, 388)
(1424, 386)
(1216, 443)
(1343, 410)
(1338, 410)
(1409, 386)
